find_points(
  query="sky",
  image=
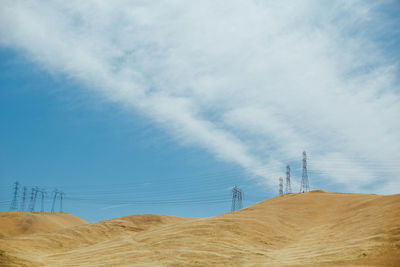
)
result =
(134, 107)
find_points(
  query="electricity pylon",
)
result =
(54, 199)
(237, 196)
(305, 186)
(34, 194)
(14, 202)
(288, 186)
(61, 201)
(280, 186)
(43, 193)
(25, 192)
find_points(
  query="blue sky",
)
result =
(53, 137)
(133, 107)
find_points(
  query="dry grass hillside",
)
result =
(23, 223)
(312, 229)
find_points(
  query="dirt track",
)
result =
(312, 229)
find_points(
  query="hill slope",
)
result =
(312, 229)
(22, 223)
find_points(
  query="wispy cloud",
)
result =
(253, 82)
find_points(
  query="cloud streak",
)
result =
(253, 82)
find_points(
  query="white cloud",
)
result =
(253, 82)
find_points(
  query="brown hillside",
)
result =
(312, 229)
(22, 223)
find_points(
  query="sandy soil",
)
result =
(312, 229)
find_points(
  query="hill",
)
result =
(22, 223)
(311, 229)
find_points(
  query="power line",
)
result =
(36, 192)
(166, 202)
(233, 173)
(161, 194)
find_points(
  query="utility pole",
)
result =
(14, 202)
(25, 192)
(305, 186)
(54, 199)
(288, 186)
(237, 196)
(280, 186)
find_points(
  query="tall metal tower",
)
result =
(280, 186)
(25, 192)
(34, 194)
(288, 186)
(14, 202)
(54, 199)
(237, 196)
(305, 186)
(61, 201)
(31, 205)
(43, 193)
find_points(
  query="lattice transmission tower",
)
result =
(43, 194)
(54, 199)
(305, 186)
(24, 193)
(34, 193)
(288, 186)
(237, 196)
(14, 202)
(280, 186)
(61, 201)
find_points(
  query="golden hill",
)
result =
(312, 229)
(22, 223)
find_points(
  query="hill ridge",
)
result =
(310, 229)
